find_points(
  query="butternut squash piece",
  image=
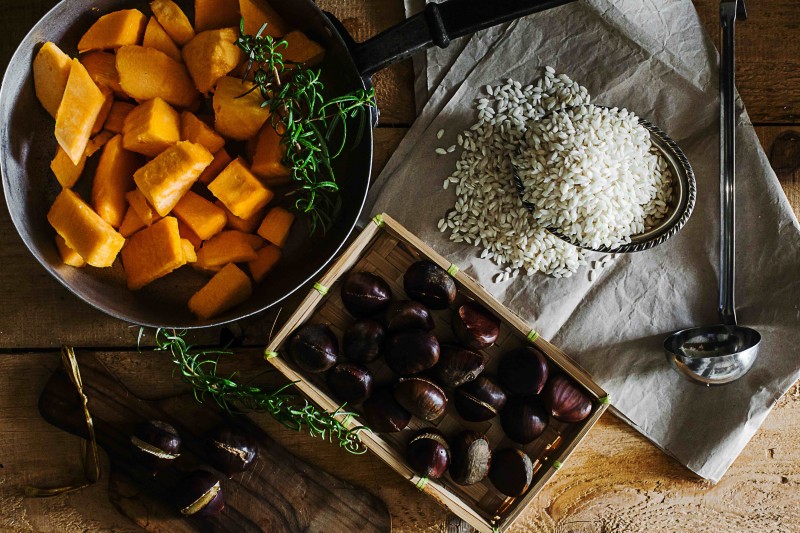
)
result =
(302, 50)
(225, 247)
(102, 116)
(276, 225)
(51, 69)
(113, 180)
(268, 156)
(131, 223)
(189, 235)
(165, 179)
(113, 30)
(102, 67)
(173, 20)
(268, 257)
(236, 116)
(97, 142)
(77, 112)
(257, 12)
(156, 37)
(115, 121)
(153, 253)
(245, 225)
(255, 242)
(213, 14)
(210, 55)
(139, 204)
(67, 172)
(201, 216)
(151, 127)
(221, 160)
(146, 73)
(189, 252)
(229, 287)
(241, 192)
(83, 230)
(195, 130)
(68, 255)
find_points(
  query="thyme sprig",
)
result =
(198, 368)
(314, 127)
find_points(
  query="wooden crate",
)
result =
(387, 249)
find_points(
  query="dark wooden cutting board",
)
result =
(279, 494)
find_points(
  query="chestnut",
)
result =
(523, 371)
(511, 472)
(475, 326)
(471, 456)
(383, 414)
(479, 400)
(363, 340)
(565, 401)
(458, 365)
(231, 450)
(523, 419)
(200, 495)
(350, 382)
(408, 314)
(428, 454)
(421, 397)
(430, 284)
(156, 444)
(314, 347)
(365, 294)
(411, 352)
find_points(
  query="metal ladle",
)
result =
(722, 353)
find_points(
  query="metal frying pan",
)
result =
(27, 145)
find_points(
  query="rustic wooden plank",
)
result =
(782, 145)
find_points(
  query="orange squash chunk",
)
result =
(189, 252)
(68, 255)
(189, 235)
(302, 50)
(165, 179)
(153, 253)
(151, 128)
(115, 121)
(213, 14)
(211, 55)
(195, 130)
(268, 257)
(146, 73)
(97, 142)
(245, 225)
(77, 112)
(255, 242)
(139, 204)
(221, 160)
(113, 30)
(113, 180)
(156, 37)
(83, 230)
(67, 172)
(201, 216)
(236, 116)
(102, 116)
(229, 287)
(239, 190)
(102, 67)
(276, 225)
(51, 69)
(226, 247)
(267, 157)
(131, 223)
(257, 12)
(173, 20)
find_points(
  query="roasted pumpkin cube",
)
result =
(67, 172)
(189, 252)
(201, 216)
(97, 142)
(256, 13)
(268, 257)
(113, 30)
(276, 225)
(173, 20)
(302, 50)
(151, 128)
(143, 209)
(102, 116)
(268, 157)
(77, 112)
(246, 225)
(226, 247)
(189, 235)
(195, 130)
(131, 223)
(238, 115)
(165, 179)
(239, 190)
(68, 255)
(221, 160)
(213, 14)
(153, 253)
(51, 69)
(229, 287)
(156, 37)
(83, 230)
(115, 121)
(147, 73)
(113, 180)
(210, 55)
(102, 67)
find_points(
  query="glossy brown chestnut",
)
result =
(421, 397)
(524, 419)
(411, 352)
(200, 495)
(350, 382)
(457, 366)
(430, 284)
(363, 341)
(565, 401)
(155, 444)
(523, 372)
(383, 414)
(511, 472)
(314, 347)
(475, 326)
(471, 457)
(231, 450)
(408, 314)
(365, 294)
(428, 453)
(479, 400)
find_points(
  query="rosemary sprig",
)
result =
(198, 368)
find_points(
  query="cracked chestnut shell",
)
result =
(428, 453)
(411, 352)
(155, 444)
(470, 457)
(200, 495)
(479, 400)
(421, 397)
(430, 284)
(457, 366)
(523, 372)
(408, 314)
(363, 340)
(350, 382)
(383, 414)
(365, 294)
(231, 450)
(475, 326)
(565, 401)
(314, 347)
(511, 472)
(524, 419)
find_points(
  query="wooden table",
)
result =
(616, 480)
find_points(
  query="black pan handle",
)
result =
(437, 25)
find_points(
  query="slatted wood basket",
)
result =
(387, 249)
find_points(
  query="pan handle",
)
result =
(437, 25)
